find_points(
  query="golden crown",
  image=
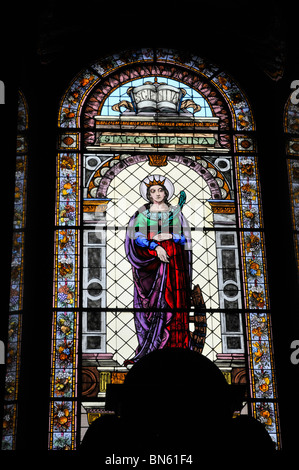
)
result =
(155, 183)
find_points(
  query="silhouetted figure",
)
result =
(249, 434)
(173, 400)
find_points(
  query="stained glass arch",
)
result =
(155, 118)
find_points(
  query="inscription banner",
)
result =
(155, 139)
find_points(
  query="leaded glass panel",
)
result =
(15, 318)
(118, 128)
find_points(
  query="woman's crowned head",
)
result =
(157, 193)
(156, 185)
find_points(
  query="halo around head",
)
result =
(156, 180)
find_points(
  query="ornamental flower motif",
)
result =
(264, 385)
(67, 116)
(257, 332)
(261, 354)
(14, 298)
(66, 295)
(11, 355)
(67, 163)
(10, 387)
(259, 327)
(68, 188)
(15, 270)
(266, 417)
(8, 420)
(244, 120)
(86, 80)
(72, 99)
(250, 217)
(256, 295)
(12, 329)
(253, 243)
(65, 240)
(247, 167)
(62, 443)
(265, 414)
(63, 384)
(65, 267)
(249, 214)
(62, 416)
(20, 167)
(248, 191)
(67, 214)
(258, 354)
(65, 353)
(64, 325)
(254, 268)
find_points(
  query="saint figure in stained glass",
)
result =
(158, 246)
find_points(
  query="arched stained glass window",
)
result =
(15, 317)
(129, 125)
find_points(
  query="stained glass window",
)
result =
(13, 352)
(127, 125)
(291, 129)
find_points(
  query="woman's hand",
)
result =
(162, 255)
(160, 237)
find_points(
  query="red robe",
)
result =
(177, 294)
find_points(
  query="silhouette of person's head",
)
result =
(178, 394)
(175, 400)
